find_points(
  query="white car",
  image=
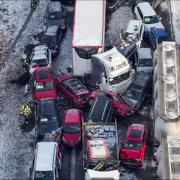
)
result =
(144, 60)
(47, 161)
(146, 14)
(135, 30)
(40, 56)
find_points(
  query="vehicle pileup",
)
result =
(108, 70)
(100, 151)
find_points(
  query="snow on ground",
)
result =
(12, 15)
(175, 10)
(118, 21)
(15, 151)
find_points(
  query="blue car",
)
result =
(156, 35)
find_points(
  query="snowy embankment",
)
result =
(15, 151)
(175, 10)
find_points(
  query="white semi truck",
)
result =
(110, 70)
(100, 151)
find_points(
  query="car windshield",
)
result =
(151, 19)
(120, 78)
(134, 145)
(134, 94)
(44, 175)
(50, 40)
(55, 16)
(40, 61)
(44, 86)
(48, 108)
(71, 128)
(145, 62)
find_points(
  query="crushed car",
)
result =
(134, 145)
(43, 84)
(40, 56)
(120, 108)
(73, 89)
(138, 90)
(71, 128)
(47, 118)
(56, 16)
(53, 38)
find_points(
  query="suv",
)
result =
(135, 29)
(133, 148)
(48, 118)
(47, 161)
(146, 14)
(144, 60)
(52, 38)
(72, 127)
(56, 16)
(101, 110)
(138, 90)
(73, 89)
(40, 56)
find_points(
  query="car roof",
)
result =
(45, 156)
(99, 108)
(133, 26)
(51, 30)
(159, 32)
(144, 53)
(43, 73)
(72, 116)
(141, 79)
(146, 9)
(135, 131)
(55, 6)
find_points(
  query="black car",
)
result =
(56, 16)
(101, 110)
(48, 119)
(138, 90)
(53, 38)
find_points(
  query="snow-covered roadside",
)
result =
(15, 151)
(12, 16)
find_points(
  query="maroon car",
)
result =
(73, 89)
(120, 106)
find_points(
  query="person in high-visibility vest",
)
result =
(26, 112)
(26, 62)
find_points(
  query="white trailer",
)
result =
(110, 70)
(88, 33)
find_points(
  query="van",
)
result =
(146, 14)
(135, 30)
(101, 110)
(47, 161)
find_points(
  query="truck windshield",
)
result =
(44, 175)
(120, 78)
(71, 128)
(151, 19)
(86, 53)
(134, 145)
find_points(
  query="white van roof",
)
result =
(134, 26)
(146, 9)
(44, 160)
(92, 174)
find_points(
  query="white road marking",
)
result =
(73, 161)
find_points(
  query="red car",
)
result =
(73, 89)
(72, 127)
(43, 84)
(133, 149)
(120, 106)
